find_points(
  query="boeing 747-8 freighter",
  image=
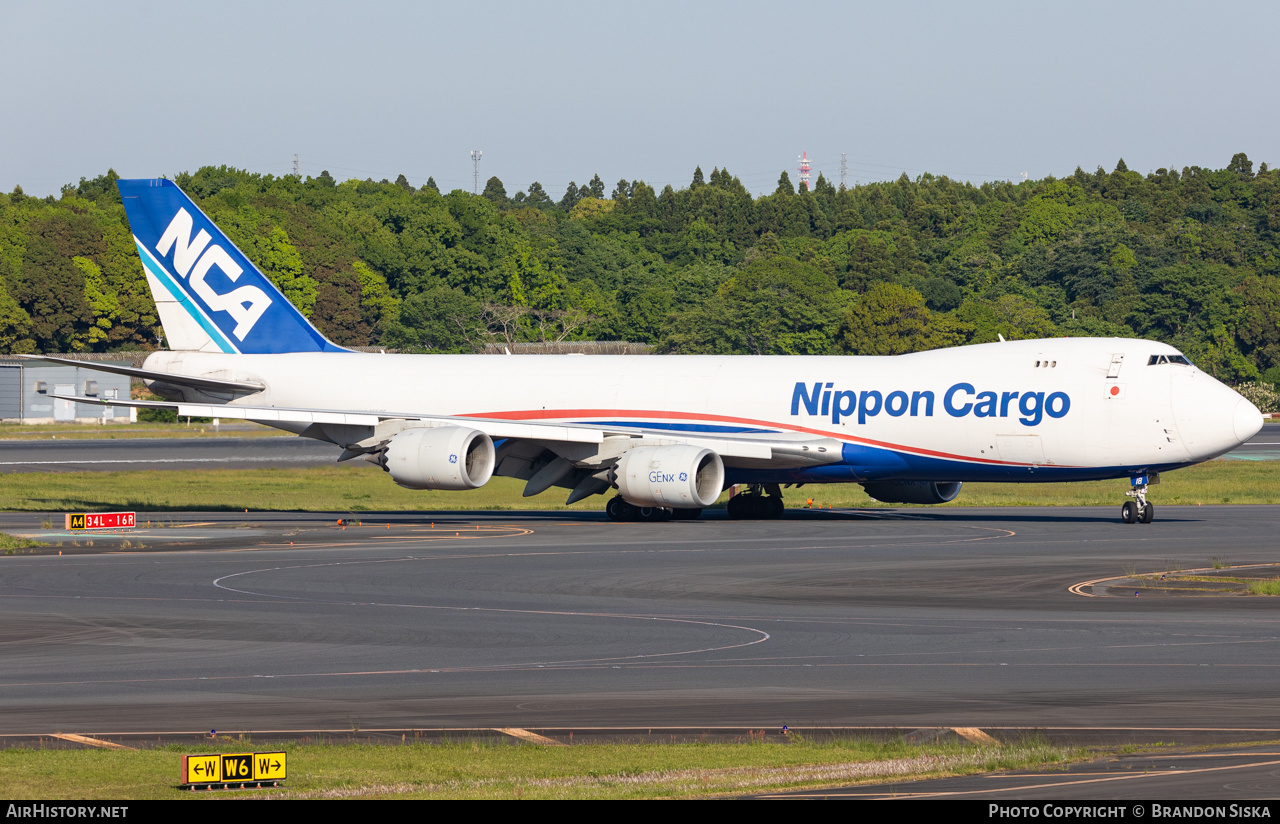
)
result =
(670, 433)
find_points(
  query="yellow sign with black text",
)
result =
(233, 768)
(268, 766)
(201, 769)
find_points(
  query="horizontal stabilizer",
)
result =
(148, 375)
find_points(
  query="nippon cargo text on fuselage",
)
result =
(960, 400)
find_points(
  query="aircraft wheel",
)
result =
(1148, 514)
(737, 507)
(1129, 512)
(619, 510)
(752, 507)
(776, 506)
(652, 514)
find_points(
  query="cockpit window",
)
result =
(1164, 359)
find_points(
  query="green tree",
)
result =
(49, 287)
(773, 306)
(1242, 166)
(280, 261)
(337, 312)
(643, 302)
(439, 319)
(15, 326)
(1011, 316)
(893, 320)
(378, 306)
(571, 196)
(103, 302)
(495, 192)
(537, 197)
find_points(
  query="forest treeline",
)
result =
(1190, 257)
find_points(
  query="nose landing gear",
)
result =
(1139, 510)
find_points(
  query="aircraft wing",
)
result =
(731, 448)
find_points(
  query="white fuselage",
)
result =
(1064, 409)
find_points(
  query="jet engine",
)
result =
(681, 477)
(446, 457)
(913, 492)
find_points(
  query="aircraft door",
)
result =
(1023, 449)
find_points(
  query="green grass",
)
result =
(1271, 587)
(501, 770)
(360, 487)
(13, 545)
(81, 432)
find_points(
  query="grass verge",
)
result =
(360, 487)
(501, 770)
(12, 544)
(98, 432)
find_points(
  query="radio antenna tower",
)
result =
(475, 175)
(804, 170)
(844, 171)
(297, 167)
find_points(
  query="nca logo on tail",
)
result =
(193, 261)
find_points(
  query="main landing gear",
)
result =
(619, 510)
(761, 502)
(1139, 510)
(756, 505)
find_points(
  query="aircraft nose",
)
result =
(1248, 420)
(1212, 417)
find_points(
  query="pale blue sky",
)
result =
(559, 91)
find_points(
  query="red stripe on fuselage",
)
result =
(565, 414)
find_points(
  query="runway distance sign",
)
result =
(101, 520)
(234, 768)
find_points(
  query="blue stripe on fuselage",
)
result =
(864, 463)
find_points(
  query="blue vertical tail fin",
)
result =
(210, 297)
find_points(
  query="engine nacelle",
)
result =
(446, 457)
(913, 492)
(682, 477)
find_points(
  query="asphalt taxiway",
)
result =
(85, 455)
(909, 619)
